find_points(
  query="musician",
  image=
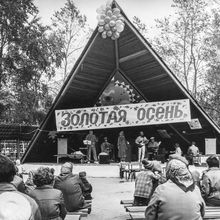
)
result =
(107, 147)
(153, 146)
(141, 142)
(91, 138)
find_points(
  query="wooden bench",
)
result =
(72, 217)
(137, 212)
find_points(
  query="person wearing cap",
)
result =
(11, 197)
(178, 198)
(210, 183)
(146, 182)
(141, 142)
(50, 200)
(153, 146)
(71, 187)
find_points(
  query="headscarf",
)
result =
(14, 206)
(67, 168)
(178, 173)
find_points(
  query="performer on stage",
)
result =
(122, 146)
(91, 138)
(153, 146)
(107, 148)
(141, 142)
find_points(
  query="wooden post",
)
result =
(18, 148)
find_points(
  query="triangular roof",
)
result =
(134, 58)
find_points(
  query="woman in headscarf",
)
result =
(178, 198)
(122, 146)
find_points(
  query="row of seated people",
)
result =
(46, 196)
(179, 193)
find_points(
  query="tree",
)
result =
(29, 52)
(181, 42)
(70, 25)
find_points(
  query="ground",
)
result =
(107, 193)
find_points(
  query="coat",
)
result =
(122, 147)
(8, 187)
(169, 201)
(210, 186)
(71, 187)
(50, 201)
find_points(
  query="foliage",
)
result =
(70, 25)
(187, 43)
(29, 52)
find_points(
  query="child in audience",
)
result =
(87, 187)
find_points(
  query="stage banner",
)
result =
(123, 115)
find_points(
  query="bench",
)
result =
(137, 212)
(72, 217)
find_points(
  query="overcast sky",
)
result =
(146, 10)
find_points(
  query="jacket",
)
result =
(210, 186)
(70, 185)
(8, 187)
(169, 201)
(50, 201)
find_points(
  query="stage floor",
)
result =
(92, 170)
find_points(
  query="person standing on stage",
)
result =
(141, 142)
(91, 138)
(122, 146)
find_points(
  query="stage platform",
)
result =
(92, 170)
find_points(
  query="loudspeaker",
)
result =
(104, 159)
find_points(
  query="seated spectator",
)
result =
(146, 182)
(14, 206)
(87, 189)
(193, 151)
(18, 182)
(210, 184)
(178, 198)
(29, 182)
(7, 173)
(178, 149)
(50, 200)
(71, 187)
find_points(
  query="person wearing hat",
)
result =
(146, 182)
(71, 187)
(153, 147)
(210, 183)
(177, 198)
(87, 189)
(11, 200)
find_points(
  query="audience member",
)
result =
(146, 182)
(18, 182)
(87, 189)
(178, 198)
(193, 151)
(11, 196)
(178, 149)
(210, 184)
(50, 201)
(71, 187)
(29, 184)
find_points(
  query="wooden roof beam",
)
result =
(133, 56)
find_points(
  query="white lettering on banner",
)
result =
(123, 115)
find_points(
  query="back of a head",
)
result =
(7, 169)
(213, 161)
(14, 206)
(67, 168)
(43, 176)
